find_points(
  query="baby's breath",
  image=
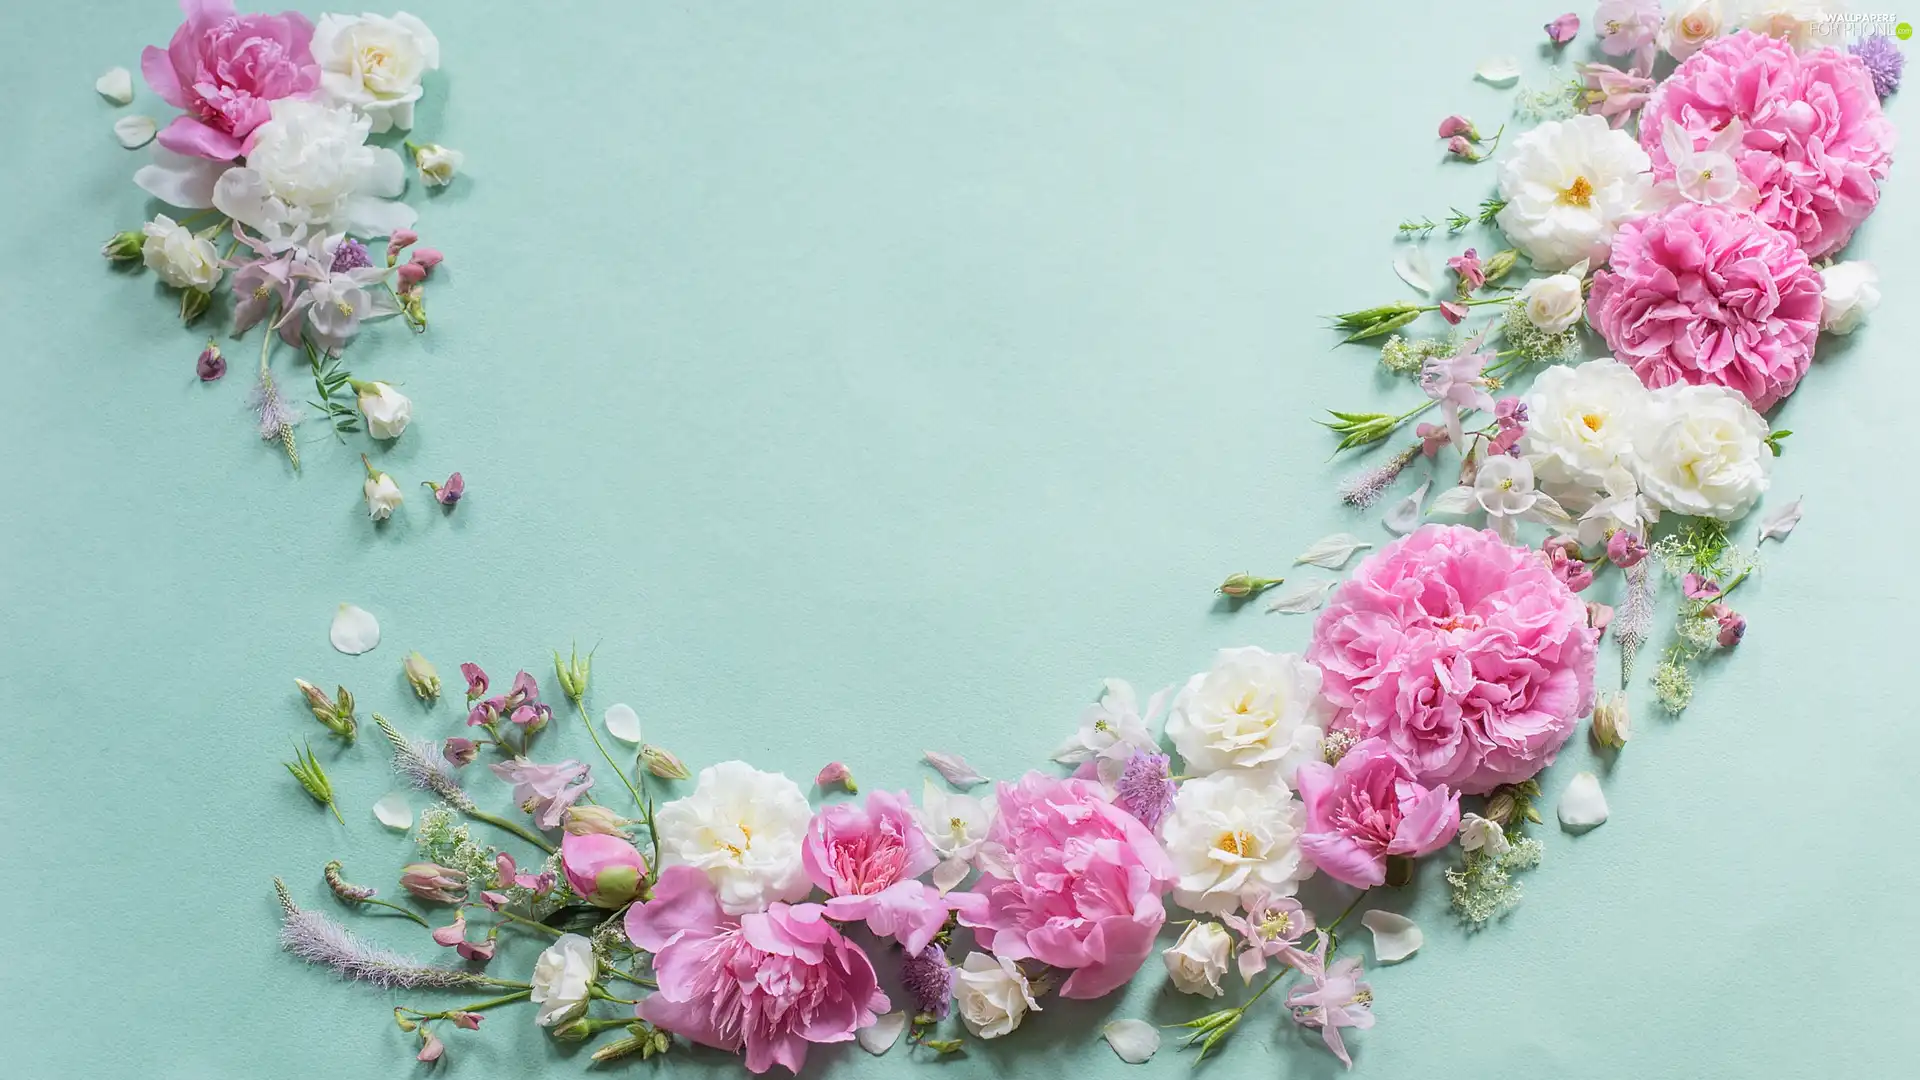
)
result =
(1673, 684)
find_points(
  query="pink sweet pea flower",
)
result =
(1467, 265)
(604, 870)
(1369, 807)
(508, 873)
(224, 70)
(431, 1048)
(476, 680)
(454, 932)
(1457, 125)
(1563, 29)
(1452, 312)
(868, 859)
(468, 1020)
(1699, 588)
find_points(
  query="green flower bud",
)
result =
(193, 304)
(573, 673)
(1500, 264)
(662, 763)
(1611, 724)
(422, 676)
(1384, 326)
(1241, 586)
(1354, 320)
(125, 246)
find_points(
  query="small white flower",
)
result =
(437, 163)
(1553, 304)
(1481, 834)
(956, 825)
(1112, 729)
(1234, 834)
(993, 995)
(1253, 708)
(383, 496)
(744, 828)
(1196, 962)
(1569, 185)
(375, 64)
(1702, 451)
(182, 259)
(387, 410)
(1849, 291)
(561, 979)
(1804, 24)
(1504, 489)
(1707, 174)
(1619, 506)
(1581, 422)
(1689, 27)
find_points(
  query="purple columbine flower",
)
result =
(1884, 62)
(928, 979)
(350, 255)
(1144, 790)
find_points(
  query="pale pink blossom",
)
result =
(224, 70)
(603, 870)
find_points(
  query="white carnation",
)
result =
(1569, 185)
(744, 828)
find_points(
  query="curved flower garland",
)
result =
(1441, 678)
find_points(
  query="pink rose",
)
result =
(1709, 294)
(867, 860)
(224, 69)
(1070, 880)
(603, 870)
(770, 982)
(1467, 656)
(1369, 807)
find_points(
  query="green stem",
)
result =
(529, 923)
(503, 999)
(634, 979)
(1734, 584)
(1335, 924)
(508, 983)
(331, 805)
(518, 830)
(638, 802)
(398, 908)
(599, 993)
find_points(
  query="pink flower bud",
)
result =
(1699, 588)
(431, 1047)
(211, 364)
(468, 1020)
(1626, 548)
(605, 870)
(1457, 125)
(453, 933)
(429, 257)
(1733, 627)
(459, 751)
(1563, 29)
(1461, 148)
(412, 273)
(836, 773)
(1453, 312)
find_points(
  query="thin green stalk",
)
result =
(518, 830)
(503, 999)
(1335, 924)
(634, 979)
(398, 908)
(509, 983)
(638, 802)
(529, 923)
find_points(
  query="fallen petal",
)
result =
(879, 1036)
(949, 873)
(116, 85)
(355, 630)
(955, 769)
(1404, 517)
(1395, 937)
(1302, 598)
(1583, 805)
(623, 723)
(394, 812)
(1331, 552)
(1414, 269)
(1455, 500)
(1498, 71)
(1134, 1040)
(134, 132)
(1776, 525)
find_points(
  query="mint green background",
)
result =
(866, 377)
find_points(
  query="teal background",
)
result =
(867, 377)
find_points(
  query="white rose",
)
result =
(182, 260)
(383, 496)
(1553, 304)
(387, 410)
(1196, 962)
(1569, 185)
(311, 165)
(1253, 708)
(375, 64)
(1849, 291)
(1580, 426)
(1805, 24)
(744, 828)
(1689, 27)
(1234, 834)
(993, 995)
(437, 163)
(561, 978)
(1702, 450)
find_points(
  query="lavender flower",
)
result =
(1364, 489)
(422, 766)
(928, 979)
(1144, 790)
(1884, 62)
(351, 254)
(317, 939)
(276, 416)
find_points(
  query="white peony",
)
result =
(1553, 304)
(387, 410)
(1580, 426)
(375, 64)
(1702, 451)
(182, 259)
(311, 165)
(1849, 291)
(1234, 834)
(1569, 185)
(1804, 24)
(993, 995)
(1690, 26)
(1254, 708)
(1196, 962)
(1111, 730)
(561, 980)
(744, 828)
(437, 163)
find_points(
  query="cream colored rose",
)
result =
(1702, 450)
(993, 995)
(1689, 27)
(1196, 962)
(1553, 304)
(182, 260)
(375, 64)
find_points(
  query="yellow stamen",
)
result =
(1580, 193)
(1593, 421)
(1235, 843)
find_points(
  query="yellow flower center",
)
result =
(1238, 843)
(260, 293)
(1579, 193)
(1276, 925)
(345, 308)
(1593, 421)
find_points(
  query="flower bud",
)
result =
(1500, 808)
(836, 773)
(433, 882)
(579, 1029)
(662, 763)
(590, 819)
(422, 676)
(194, 303)
(573, 673)
(1500, 264)
(459, 751)
(211, 365)
(1611, 723)
(1241, 586)
(1457, 125)
(342, 888)
(407, 1023)
(1459, 147)
(412, 273)
(125, 246)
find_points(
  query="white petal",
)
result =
(1303, 597)
(1412, 266)
(394, 812)
(1134, 1040)
(1498, 71)
(1545, 509)
(368, 217)
(950, 873)
(1776, 525)
(180, 180)
(1454, 500)
(623, 723)
(879, 1036)
(1395, 937)
(116, 85)
(135, 132)
(1583, 805)
(1404, 517)
(955, 769)
(355, 630)
(1331, 552)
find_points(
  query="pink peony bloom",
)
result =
(1814, 142)
(224, 70)
(603, 870)
(1368, 807)
(1070, 880)
(770, 981)
(867, 860)
(1467, 656)
(1709, 294)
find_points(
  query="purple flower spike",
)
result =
(928, 979)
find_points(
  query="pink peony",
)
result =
(224, 70)
(770, 981)
(1369, 807)
(867, 860)
(603, 870)
(1467, 656)
(1814, 142)
(1070, 880)
(1709, 294)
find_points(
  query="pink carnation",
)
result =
(868, 859)
(1369, 807)
(1070, 880)
(770, 981)
(224, 70)
(1467, 656)
(1709, 294)
(1814, 142)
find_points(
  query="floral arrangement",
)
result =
(277, 186)
(1441, 678)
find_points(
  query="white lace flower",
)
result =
(1234, 834)
(1254, 708)
(1702, 450)
(744, 828)
(1581, 422)
(1112, 729)
(1569, 185)
(311, 165)
(375, 64)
